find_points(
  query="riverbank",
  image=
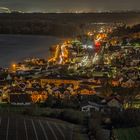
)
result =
(16, 48)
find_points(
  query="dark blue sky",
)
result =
(67, 5)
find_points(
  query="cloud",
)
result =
(53, 5)
(5, 9)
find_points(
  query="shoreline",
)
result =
(24, 46)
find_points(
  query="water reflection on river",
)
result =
(15, 48)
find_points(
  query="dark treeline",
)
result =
(126, 30)
(60, 24)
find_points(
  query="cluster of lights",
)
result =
(61, 53)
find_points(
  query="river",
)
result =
(15, 48)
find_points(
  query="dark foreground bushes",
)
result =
(69, 115)
(127, 118)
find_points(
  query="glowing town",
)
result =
(82, 66)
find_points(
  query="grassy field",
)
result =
(128, 133)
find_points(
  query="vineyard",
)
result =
(127, 133)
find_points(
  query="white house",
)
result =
(87, 108)
(92, 106)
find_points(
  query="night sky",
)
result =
(68, 5)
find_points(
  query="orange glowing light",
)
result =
(61, 53)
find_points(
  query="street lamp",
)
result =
(14, 67)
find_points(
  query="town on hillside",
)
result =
(96, 73)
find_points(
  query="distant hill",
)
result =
(62, 24)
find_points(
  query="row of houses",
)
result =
(112, 102)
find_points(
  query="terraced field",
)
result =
(29, 128)
(128, 133)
